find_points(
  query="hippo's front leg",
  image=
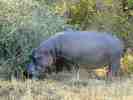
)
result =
(76, 71)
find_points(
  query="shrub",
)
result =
(24, 24)
(107, 15)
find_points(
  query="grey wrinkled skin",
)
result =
(90, 49)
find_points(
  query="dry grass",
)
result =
(61, 87)
(66, 90)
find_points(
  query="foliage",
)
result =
(23, 25)
(130, 4)
(106, 15)
(127, 63)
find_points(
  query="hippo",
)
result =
(89, 49)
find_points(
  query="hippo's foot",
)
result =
(35, 78)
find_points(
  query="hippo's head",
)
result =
(41, 62)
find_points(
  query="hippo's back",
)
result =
(93, 47)
(84, 39)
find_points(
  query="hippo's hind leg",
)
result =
(114, 68)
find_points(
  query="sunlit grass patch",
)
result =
(58, 90)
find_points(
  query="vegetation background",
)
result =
(25, 23)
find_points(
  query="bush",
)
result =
(24, 24)
(104, 15)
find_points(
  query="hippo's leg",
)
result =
(76, 72)
(114, 68)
